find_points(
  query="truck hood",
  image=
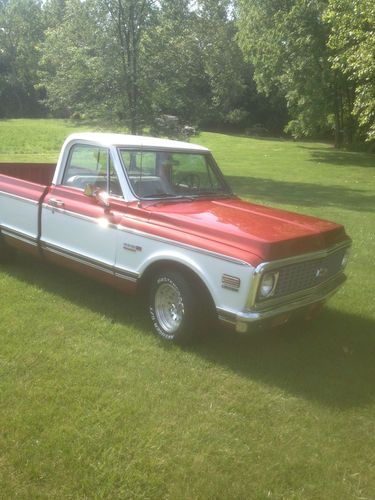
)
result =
(246, 228)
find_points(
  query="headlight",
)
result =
(267, 285)
(345, 258)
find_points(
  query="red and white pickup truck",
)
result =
(157, 215)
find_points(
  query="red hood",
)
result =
(245, 228)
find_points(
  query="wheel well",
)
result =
(176, 266)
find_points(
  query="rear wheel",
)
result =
(174, 306)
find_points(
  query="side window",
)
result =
(91, 165)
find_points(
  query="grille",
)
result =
(307, 274)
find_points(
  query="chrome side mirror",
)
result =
(102, 197)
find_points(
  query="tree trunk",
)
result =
(338, 115)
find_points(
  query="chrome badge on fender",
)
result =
(131, 248)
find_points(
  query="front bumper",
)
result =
(298, 306)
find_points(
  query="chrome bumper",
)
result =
(301, 305)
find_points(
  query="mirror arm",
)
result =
(101, 197)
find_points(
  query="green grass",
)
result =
(93, 405)
(37, 140)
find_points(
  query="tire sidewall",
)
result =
(179, 283)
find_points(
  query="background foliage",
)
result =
(305, 66)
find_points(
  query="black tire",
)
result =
(174, 306)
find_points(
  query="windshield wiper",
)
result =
(210, 194)
(164, 196)
(167, 198)
(171, 198)
(155, 196)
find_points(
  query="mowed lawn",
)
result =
(93, 405)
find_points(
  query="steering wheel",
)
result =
(190, 180)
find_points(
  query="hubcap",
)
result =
(169, 308)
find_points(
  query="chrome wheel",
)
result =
(175, 307)
(169, 307)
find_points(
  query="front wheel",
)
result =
(174, 308)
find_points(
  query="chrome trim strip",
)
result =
(112, 270)
(279, 301)
(31, 240)
(127, 277)
(307, 256)
(17, 197)
(253, 316)
(276, 264)
(67, 255)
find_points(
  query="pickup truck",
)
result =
(157, 216)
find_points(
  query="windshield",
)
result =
(164, 174)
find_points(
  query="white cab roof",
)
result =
(108, 139)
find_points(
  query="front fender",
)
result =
(210, 270)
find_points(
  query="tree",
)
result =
(352, 41)
(175, 69)
(129, 19)
(286, 41)
(224, 65)
(73, 68)
(196, 67)
(138, 59)
(21, 33)
(92, 60)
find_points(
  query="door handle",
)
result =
(55, 203)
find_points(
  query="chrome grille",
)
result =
(296, 277)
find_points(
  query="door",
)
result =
(76, 226)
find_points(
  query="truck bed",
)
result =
(39, 173)
(22, 189)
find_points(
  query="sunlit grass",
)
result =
(93, 405)
(38, 140)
